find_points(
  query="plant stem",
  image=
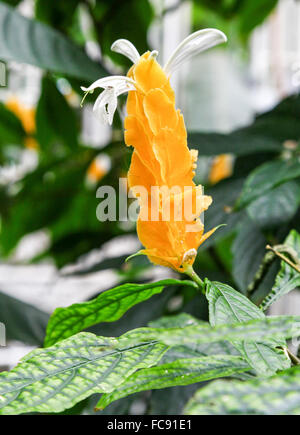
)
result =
(192, 274)
(292, 357)
(284, 258)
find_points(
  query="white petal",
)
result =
(110, 81)
(154, 54)
(106, 105)
(125, 47)
(192, 45)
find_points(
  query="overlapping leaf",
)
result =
(182, 372)
(248, 251)
(276, 395)
(54, 379)
(265, 329)
(276, 206)
(266, 177)
(227, 306)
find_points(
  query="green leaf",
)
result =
(266, 134)
(128, 20)
(204, 349)
(248, 251)
(227, 306)
(277, 395)
(107, 307)
(277, 206)
(56, 13)
(182, 372)
(287, 278)
(268, 329)
(266, 178)
(241, 142)
(38, 44)
(52, 188)
(224, 196)
(55, 120)
(54, 379)
(253, 13)
(179, 321)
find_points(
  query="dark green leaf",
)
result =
(253, 13)
(267, 177)
(22, 321)
(37, 44)
(11, 130)
(55, 120)
(224, 195)
(128, 20)
(266, 134)
(248, 250)
(277, 206)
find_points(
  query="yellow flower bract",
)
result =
(161, 157)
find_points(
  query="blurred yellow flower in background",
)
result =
(221, 168)
(98, 169)
(27, 118)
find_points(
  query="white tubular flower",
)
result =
(106, 104)
(195, 43)
(125, 47)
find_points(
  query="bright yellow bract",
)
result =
(161, 157)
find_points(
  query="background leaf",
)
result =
(22, 321)
(266, 177)
(55, 120)
(276, 206)
(37, 44)
(248, 251)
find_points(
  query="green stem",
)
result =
(284, 258)
(295, 360)
(192, 274)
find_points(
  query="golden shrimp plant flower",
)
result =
(161, 157)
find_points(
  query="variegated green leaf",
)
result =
(109, 306)
(56, 378)
(276, 395)
(182, 372)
